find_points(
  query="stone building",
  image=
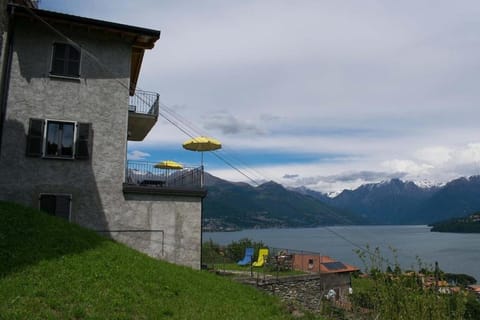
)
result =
(69, 104)
(332, 274)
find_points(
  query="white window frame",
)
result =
(45, 131)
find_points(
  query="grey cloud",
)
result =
(137, 155)
(229, 124)
(368, 176)
(364, 176)
(268, 117)
(290, 176)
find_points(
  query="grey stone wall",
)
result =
(308, 291)
(97, 97)
(179, 217)
(98, 200)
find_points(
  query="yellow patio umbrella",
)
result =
(202, 144)
(168, 164)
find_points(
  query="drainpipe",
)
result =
(201, 233)
(6, 67)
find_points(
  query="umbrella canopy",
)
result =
(169, 164)
(202, 144)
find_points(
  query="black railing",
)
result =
(142, 173)
(144, 102)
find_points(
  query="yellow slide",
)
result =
(262, 257)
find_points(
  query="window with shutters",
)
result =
(59, 139)
(56, 205)
(65, 60)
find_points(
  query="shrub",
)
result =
(236, 250)
(472, 308)
(399, 295)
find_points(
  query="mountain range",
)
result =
(404, 202)
(231, 206)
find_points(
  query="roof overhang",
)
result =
(140, 38)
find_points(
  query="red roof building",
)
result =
(320, 264)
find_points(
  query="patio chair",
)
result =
(247, 259)
(262, 257)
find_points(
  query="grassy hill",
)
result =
(51, 269)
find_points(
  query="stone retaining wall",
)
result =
(308, 290)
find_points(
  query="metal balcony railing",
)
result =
(142, 173)
(144, 102)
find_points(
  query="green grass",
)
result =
(268, 270)
(50, 269)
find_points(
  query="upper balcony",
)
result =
(143, 110)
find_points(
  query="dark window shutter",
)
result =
(84, 141)
(35, 138)
(48, 203)
(62, 207)
(56, 205)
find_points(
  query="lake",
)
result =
(455, 252)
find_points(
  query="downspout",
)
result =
(6, 68)
(201, 233)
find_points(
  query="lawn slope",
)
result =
(50, 269)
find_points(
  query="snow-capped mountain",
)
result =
(405, 202)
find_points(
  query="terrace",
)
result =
(144, 177)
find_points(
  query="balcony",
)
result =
(143, 177)
(142, 114)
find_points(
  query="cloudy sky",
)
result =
(326, 94)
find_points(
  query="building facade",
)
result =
(69, 107)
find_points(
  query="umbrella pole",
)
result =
(201, 177)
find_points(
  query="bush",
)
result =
(236, 250)
(400, 295)
(472, 308)
(212, 253)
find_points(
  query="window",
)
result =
(310, 263)
(59, 139)
(56, 205)
(65, 60)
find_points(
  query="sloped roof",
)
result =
(329, 265)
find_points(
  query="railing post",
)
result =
(157, 107)
(125, 178)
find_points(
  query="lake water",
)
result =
(455, 252)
